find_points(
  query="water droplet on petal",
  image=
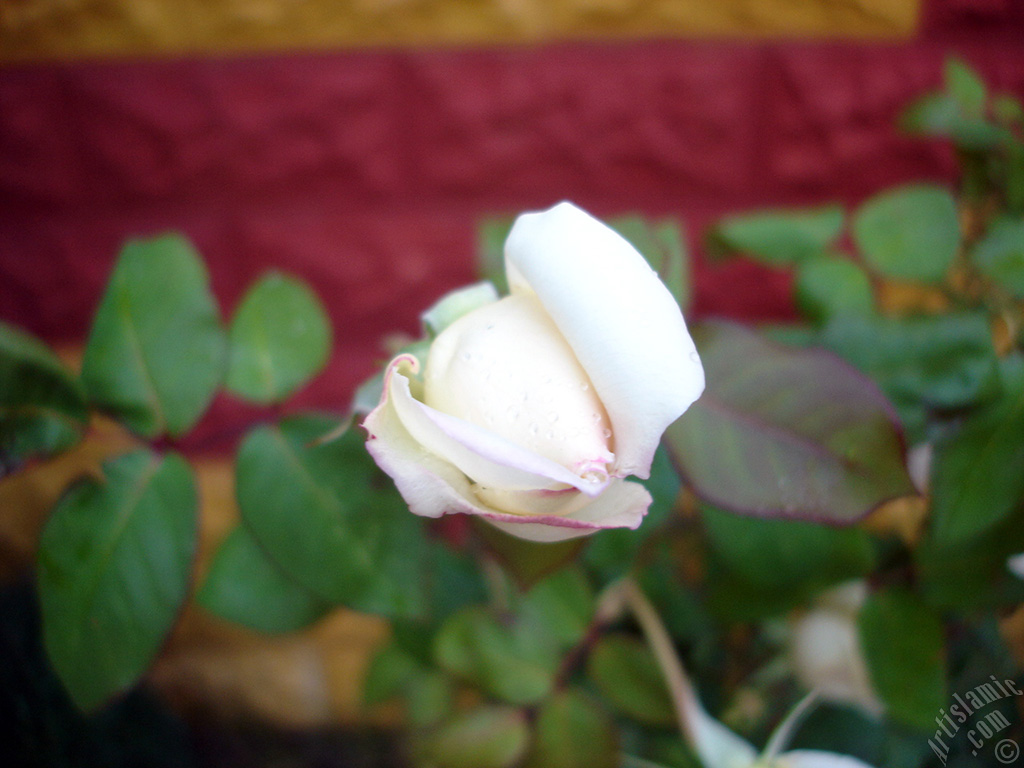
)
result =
(512, 413)
(552, 416)
(534, 428)
(607, 433)
(694, 357)
(596, 418)
(584, 386)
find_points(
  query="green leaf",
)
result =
(527, 561)
(797, 432)
(513, 662)
(909, 232)
(904, 649)
(454, 580)
(429, 698)
(734, 599)
(114, 564)
(455, 304)
(627, 675)
(965, 86)
(972, 575)
(1000, 255)
(563, 604)
(390, 671)
(245, 586)
(942, 115)
(843, 730)
(1007, 108)
(830, 286)
(661, 244)
(491, 234)
(927, 363)
(613, 552)
(155, 354)
(934, 114)
(42, 405)
(486, 737)
(279, 339)
(976, 478)
(782, 554)
(778, 237)
(572, 731)
(320, 509)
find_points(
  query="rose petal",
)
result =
(813, 758)
(430, 485)
(827, 656)
(433, 487)
(483, 456)
(622, 505)
(1016, 565)
(717, 746)
(620, 320)
(505, 367)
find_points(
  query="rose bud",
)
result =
(826, 650)
(528, 411)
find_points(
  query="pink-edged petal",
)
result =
(483, 456)
(431, 486)
(812, 758)
(622, 505)
(622, 323)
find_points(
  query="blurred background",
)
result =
(357, 144)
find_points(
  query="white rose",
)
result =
(826, 649)
(530, 410)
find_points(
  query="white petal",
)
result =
(430, 485)
(622, 505)
(483, 456)
(827, 657)
(1016, 565)
(433, 487)
(812, 758)
(622, 323)
(505, 367)
(716, 745)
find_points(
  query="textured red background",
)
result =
(365, 172)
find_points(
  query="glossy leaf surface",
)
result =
(910, 232)
(779, 237)
(245, 586)
(798, 433)
(114, 565)
(903, 646)
(279, 338)
(318, 507)
(156, 350)
(42, 404)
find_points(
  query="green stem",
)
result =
(680, 688)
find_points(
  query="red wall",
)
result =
(365, 172)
